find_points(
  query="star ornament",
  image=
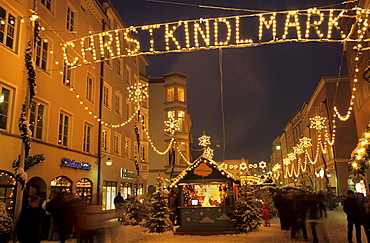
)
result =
(286, 161)
(172, 125)
(318, 122)
(208, 153)
(204, 140)
(305, 142)
(138, 92)
(262, 164)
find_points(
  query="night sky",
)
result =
(263, 86)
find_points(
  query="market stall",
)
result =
(207, 194)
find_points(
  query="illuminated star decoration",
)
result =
(276, 167)
(298, 149)
(204, 140)
(172, 125)
(305, 142)
(138, 92)
(262, 164)
(318, 122)
(208, 153)
(286, 161)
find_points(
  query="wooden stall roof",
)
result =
(203, 169)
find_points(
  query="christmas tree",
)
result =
(247, 210)
(266, 194)
(133, 211)
(158, 217)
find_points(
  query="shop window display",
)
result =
(207, 195)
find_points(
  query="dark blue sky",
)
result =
(263, 86)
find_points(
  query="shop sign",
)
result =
(125, 174)
(76, 165)
(203, 170)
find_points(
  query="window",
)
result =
(181, 94)
(67, 75)
(37, 116)
(7, 28)
(105, 140)
(70, 24)
(107, 96)
(8, 190)
(181, 119)
(170, 94)
(109, 193)
(42, 47)
(4, 107)
(117, 144)
(127, 148)
(143, 153)
(64, 123)
(47, 3)
(89, 87)
(135, 79)
(128, 75)
(118, 103)
(128, 109)
(87, 138)
(119, 66)
(171, 114)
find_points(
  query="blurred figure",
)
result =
(174, 206)
(52, 208)
(322, 201)
(66, 217)
(360, 200)
(312, 214)
(266, 215)
(284, 207)
(298, 221)
(49, 225)
(118, 201)
(6, 224)
(351, 209)
(30, 222)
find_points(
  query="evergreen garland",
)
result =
(30, 67)
(247, 210)
(360, 157)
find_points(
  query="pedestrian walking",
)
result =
(118, 201)
(174, 206)
(321, 199)
(52, 207)
(6, 224)
(298, 221)
(31, 219)
(266, 215)
(66, 217)
(48, 225)
(284, 207)
(351, 209)
(361, 204)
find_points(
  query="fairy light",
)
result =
(172, 125)
(268, 24)
(205, 34)
(295, 24)
(138, 92)
(131, 40)
(315, 24)
(169, 35)
(228, 37)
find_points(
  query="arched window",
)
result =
(7, 190)
(84, 189)
(60, 185)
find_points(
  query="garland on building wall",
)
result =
(136, 158)
(360, 157)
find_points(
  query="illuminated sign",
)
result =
(203, 170)
(236, 31)
(76, 165)
(125, 174)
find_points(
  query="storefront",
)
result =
(207, 194)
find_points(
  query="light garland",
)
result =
(111, 47)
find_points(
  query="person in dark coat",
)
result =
(118, 201)
(322, 201)
(66, 217)
(298, 221)
(360, 200)
(52, 207)
(351, 209)
(30, 222)
(284, 207)
(312, 214)
(174, 206)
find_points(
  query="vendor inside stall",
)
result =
(207, 195)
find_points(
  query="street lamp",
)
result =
(109, 162)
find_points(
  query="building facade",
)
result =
(315, 147)
(79, 118)
(168, 99)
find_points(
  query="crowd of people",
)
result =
(297, 209)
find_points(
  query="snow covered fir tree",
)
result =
(159, 211)
(247, 210)
(134, 210)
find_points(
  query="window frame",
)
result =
(36, 116)
(105, 139)
(89, 93)
(63, 136)
(118, 103)
(87, 137)
(10, 101)
(107, 96)
(42, 54)
(71, 27)
(127, 148)
(117, 138)
(9, 27)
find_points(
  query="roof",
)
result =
(203, 169)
